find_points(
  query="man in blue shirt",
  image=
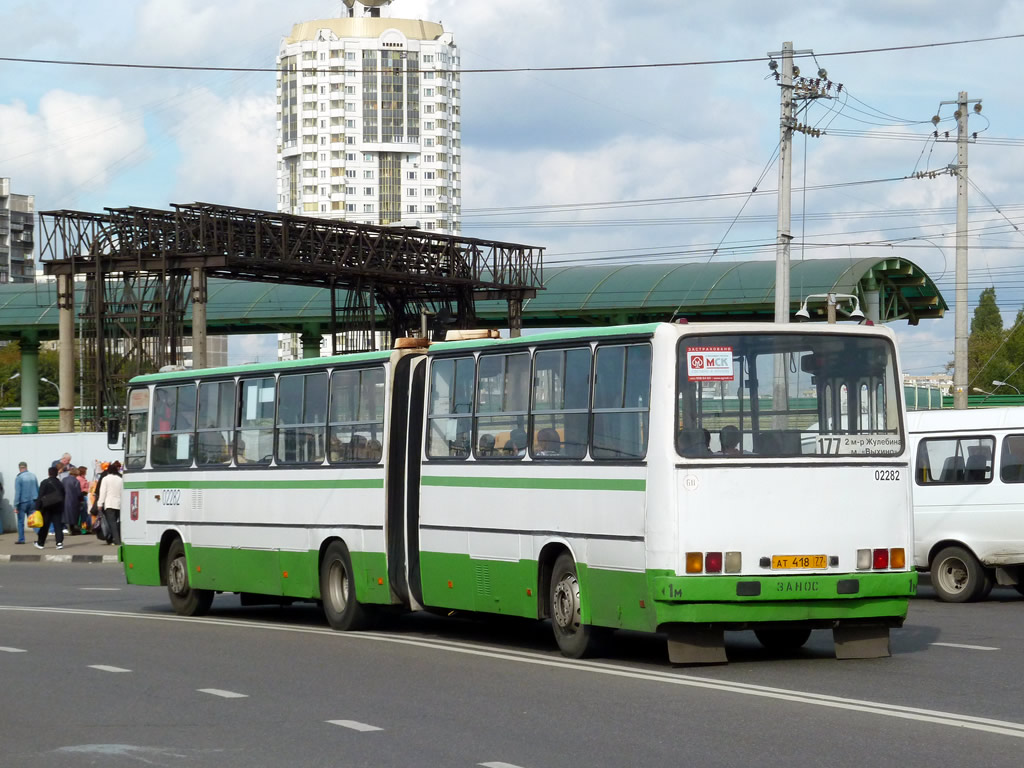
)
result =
(26, 490)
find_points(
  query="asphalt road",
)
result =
(96, 673)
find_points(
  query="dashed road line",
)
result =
(355, 725)
(498, 765)
(223, 694)
(106, 668)
(100, 589)
(665, 677)
(968, 647)
(13, 650)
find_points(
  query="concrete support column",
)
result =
(199, 359)
(873, 305)
(515, 317)
(66, 352)
(29, 344)
(311, 337)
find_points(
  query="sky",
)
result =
(86, 138)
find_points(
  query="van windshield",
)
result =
(778, 395)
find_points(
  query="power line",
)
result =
(500, 70)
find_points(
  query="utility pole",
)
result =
(960, 316)
(783, 236)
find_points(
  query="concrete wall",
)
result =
(86, 449)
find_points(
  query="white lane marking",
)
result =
(968, 647)
(951, 719)
(100, 589)
(14, 650)
(105, 668)
(223, 694)
(355, 726)
(498, 765)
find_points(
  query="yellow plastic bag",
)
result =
(35, 520)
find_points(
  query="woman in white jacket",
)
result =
(109, 502)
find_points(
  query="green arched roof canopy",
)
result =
(573, 296)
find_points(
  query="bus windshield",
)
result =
(787, 394)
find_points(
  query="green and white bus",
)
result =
(679, 478)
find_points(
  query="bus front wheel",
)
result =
(575, 639)
(185, 600)
(958, 577)
(338, 592)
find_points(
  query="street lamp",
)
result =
(983, 391)
(4, 384)
(47, 381)
(832, 302)
(998, 383)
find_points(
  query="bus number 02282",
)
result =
(887, 474)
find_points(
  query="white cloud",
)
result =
(228, 154)
(71, 142)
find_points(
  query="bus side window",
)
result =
(138, 429)
(214, 431)
(356, 427)
(502, 397)
(449, 420)
(622, 392)
(174, 419)
(301, 418)
(561, 396)
(254, 440)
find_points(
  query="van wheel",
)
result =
(575, 639)
(338, 590)
(185, 600)
(958, 576)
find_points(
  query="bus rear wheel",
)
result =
(575, 639)
(783, 639)
(185, 600)
(338, 591)
(958, 577)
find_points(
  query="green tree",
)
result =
(994, 353)
(10, 364)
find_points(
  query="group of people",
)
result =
(69, 503)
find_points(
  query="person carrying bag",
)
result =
(51, 505)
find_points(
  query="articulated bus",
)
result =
(678, 478)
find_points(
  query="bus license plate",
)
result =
(798, 561)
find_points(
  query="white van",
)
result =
(969, 499)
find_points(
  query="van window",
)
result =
(1011, 461)
(954, 461)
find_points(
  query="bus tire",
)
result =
(575, 639)
(338, 590)
(185, 600)
(779, 639)
(958, 577)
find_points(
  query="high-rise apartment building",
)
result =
(17, 235)
(368, 120)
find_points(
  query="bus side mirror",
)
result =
(113, 433)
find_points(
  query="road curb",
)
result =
(58, 558)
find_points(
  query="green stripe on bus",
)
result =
(542, 483)
(361, 482)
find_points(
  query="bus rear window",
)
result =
(778, 395)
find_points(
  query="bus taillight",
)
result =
(733, 562)
(897, 558)
(694, 562)
(880, 559)
(713, 562)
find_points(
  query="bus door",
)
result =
(403, 478)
